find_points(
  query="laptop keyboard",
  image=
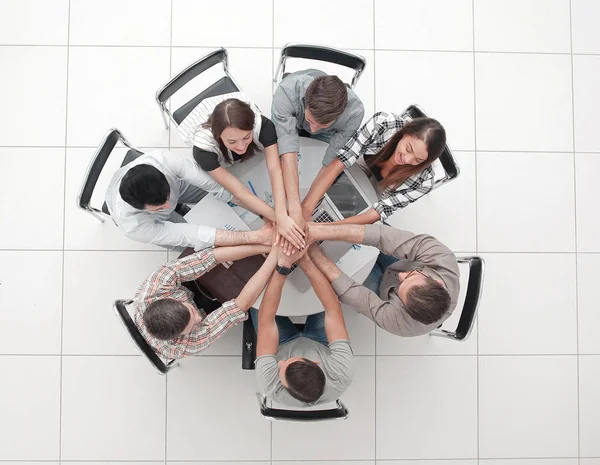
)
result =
(319, 217)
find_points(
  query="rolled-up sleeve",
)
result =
(167, 234)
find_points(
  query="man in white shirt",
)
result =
(143, 194)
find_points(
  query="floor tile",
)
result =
(324, 462)
(434, 33)
(518, 26)
(331, 23)
(441, 83)
(28, 101)
(118, 22)
(35, 22)
(533, 310)
(538, 86)
(361, 331)
(586, 94)
(452, 203)
(518, 398)
(595, 461)
(202, 391)
(115, 87)
(589, 405)
(43, 170)
(30, 409)
(390, 344)
(89, 323)
(256, 85)
(433, 394)
(536, 192)
(351, 439)
(428, 462)
(586, 36)
(587, 165)
(241, 24)
(125, 420)
(364, 89)
(30, 303)
(588, 295)
(82, 230)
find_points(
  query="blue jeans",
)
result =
(373, 281)
(314, 328)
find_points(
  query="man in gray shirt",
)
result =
(312, 103)
(413, 287)
(143, 194)
(301, 369)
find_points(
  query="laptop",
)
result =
(344, 199)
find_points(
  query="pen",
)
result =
(252, 187)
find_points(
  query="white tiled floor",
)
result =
(521, 115)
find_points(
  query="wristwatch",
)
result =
(283, 270)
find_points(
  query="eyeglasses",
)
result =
(416, 271)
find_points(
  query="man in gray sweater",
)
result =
(413, 287)
(317, 105)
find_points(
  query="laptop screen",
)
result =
(345, 197)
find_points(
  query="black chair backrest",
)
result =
(472, 298)
(102, 153)
(446, 158)
(338, 413)
(147, 350)
(225, 85)
(321, 53)
(189, 73)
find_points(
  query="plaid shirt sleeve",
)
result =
(368, 134)
(169, 277)
(208, 331)
(408, 192)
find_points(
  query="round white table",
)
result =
(356, 263)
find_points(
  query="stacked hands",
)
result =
(292, 242)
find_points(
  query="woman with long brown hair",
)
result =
(397, 152)
(228, 128)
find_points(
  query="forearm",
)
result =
(291, 180)
(276, 178)
(352, 233)
(335, 327)
(329, 269)
(322, 182)
(257, 283)
(224, 237)
(369, 217)
(237, 252)
(268, 333)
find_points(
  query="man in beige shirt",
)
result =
(415, 283)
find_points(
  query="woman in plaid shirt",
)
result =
(397, 151)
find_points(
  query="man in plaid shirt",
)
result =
(166, 315)
(367, 142)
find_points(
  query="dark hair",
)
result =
(165, 319)
(427, 303)
(429, 131)
(306, 380)
(231, 113)
(144, 185)
(326, 98)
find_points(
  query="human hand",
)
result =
(264, 235)
(287, 260)
(288, 229)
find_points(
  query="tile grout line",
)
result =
(62, 298)
(476, 215)
(575, 217)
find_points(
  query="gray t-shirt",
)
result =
(336, 361)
